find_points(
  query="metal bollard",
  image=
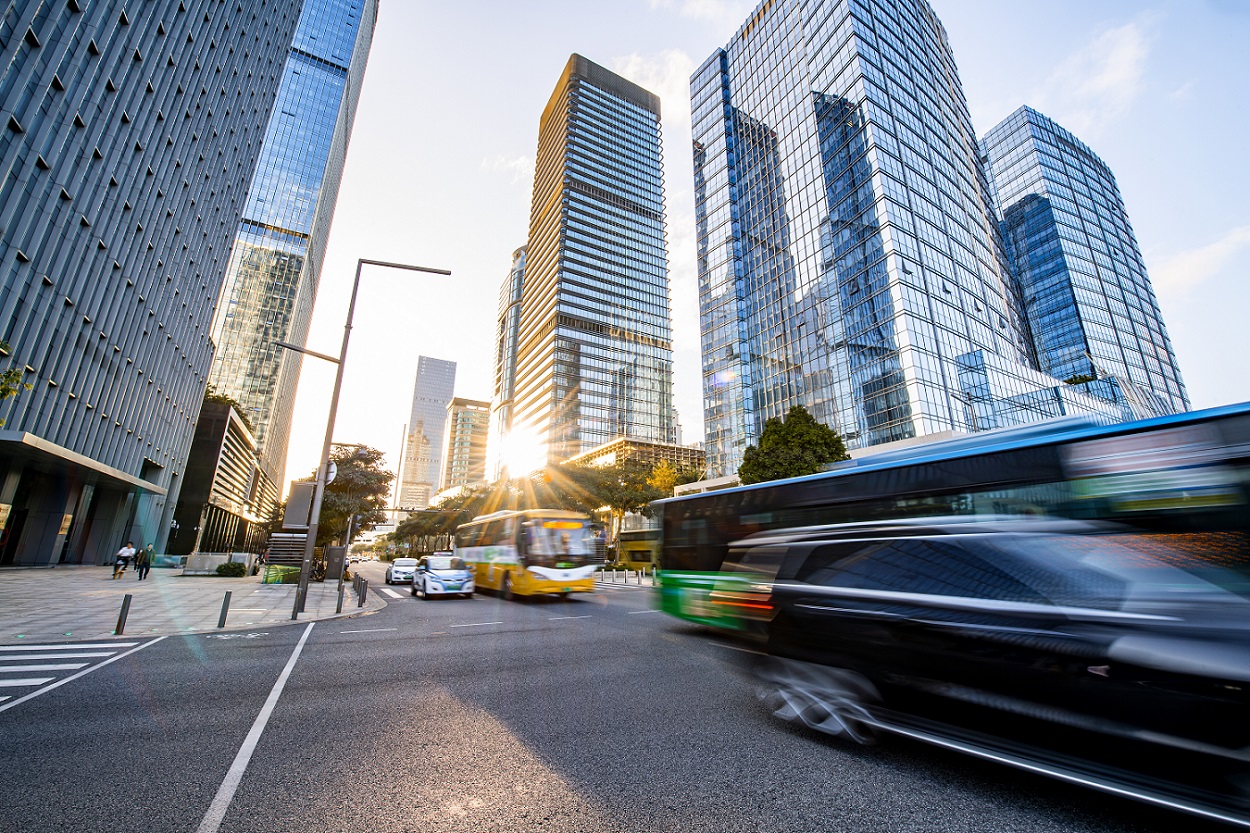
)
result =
(339, 607)
(225, 610)
(121, 619)
(364, 591)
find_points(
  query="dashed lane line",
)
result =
(635, 612)
(554, 618)
(475, 625)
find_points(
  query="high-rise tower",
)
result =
(594, 358)
(848, 255)
(507, 331)
(423, 450)
(1091, 310)
(132, 133)
(280, 242)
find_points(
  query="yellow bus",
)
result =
(530, 552)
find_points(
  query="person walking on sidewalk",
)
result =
(143, 561)
(123, 559)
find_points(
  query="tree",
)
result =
(360, 489)
(792, 447)
(211, 394)
(665, 477)
(10, 378)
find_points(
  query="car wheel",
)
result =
(835, 701)
(414, 588)
(506, 590)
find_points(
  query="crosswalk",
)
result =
(28, 670)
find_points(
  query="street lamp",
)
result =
(313, 522)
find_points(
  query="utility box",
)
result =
(336, 561)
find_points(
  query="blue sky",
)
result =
(441, 159)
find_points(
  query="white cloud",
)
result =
(1185, 271)
(1098, 83)
(520, 169)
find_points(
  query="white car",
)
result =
(401, 571)
(442, 574)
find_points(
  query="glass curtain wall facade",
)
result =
(275, 265)
(507, 331)
(464, 448)
(422, 466)
(848, 253)
(594, 356)
(132, 131)
(1091, 309)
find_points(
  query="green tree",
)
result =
(359, 489)
(792, 447)
(211, 394)
(665, 477)
(10, 378)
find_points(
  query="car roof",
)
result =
(937, 525)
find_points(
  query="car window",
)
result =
(445, 563)
(925, 565)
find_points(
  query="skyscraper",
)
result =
(422, 465)
(594, 358)
(125, 166)
(507, 331)
(464, 444)
(1091, 310)
(279, 246)
(848, 255)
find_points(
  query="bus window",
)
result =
(553, 543)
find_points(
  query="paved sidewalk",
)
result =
(83, 602)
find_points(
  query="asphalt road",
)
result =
(591, 714)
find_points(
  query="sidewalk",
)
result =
(83, 602)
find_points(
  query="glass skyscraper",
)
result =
(594, 355)
(422, 466)
(464, 444)
(275, 265)
(507, 331)
(849, 258)
(131, 132)
(1091, 310)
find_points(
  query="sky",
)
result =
(439, 172)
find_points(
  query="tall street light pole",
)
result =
(319, 490)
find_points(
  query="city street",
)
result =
(592, 714)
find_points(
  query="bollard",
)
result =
(339, 607)
(121, 618)
(364, 590)
(225, 609)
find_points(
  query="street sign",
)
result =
(332, 471)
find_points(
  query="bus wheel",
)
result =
(564, 597)
(505, 591)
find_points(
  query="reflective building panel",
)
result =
(594, 356)
(848, 253)
(1092, 312)
(422, 467)
(275, 265)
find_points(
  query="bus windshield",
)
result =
(558, 543)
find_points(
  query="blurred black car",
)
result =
(1100, 656)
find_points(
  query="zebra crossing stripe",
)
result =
(94, 646)
(27, 681)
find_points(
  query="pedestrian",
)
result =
(123, 559)
(143, 561)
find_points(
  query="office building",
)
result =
(848, 255)
(1092, 313)
(464, 446)
(422, 464)
(623, 449)
(507, 331)
(280, 241)
(130, 135)
(594, 355)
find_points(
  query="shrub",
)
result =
(233, 569)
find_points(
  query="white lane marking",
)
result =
(29, 657)
(95, 646)
(391, 593)
(2, 699)
(475, 625)
(740, 648)
(81, 673)
(25, 681)
(68, 666)
(371, 630)
(234, 776)
(554, 618)
(633, 612)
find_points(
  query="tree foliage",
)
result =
(360, 488)
(11, 378)
(792, 447)
(211, 394)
